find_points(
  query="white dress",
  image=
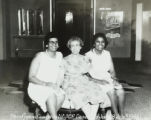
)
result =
(48, 71)
(100, 68)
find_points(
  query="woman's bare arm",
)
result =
(113, 73)
(112, 70)
(61, 73)
(99, 81)
(33, 71)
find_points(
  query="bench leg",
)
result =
(38, 114)
(105, 114)
(90, 111)
(109, 115)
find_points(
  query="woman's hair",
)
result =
(48, 36)
(96, 36)
(74, 38)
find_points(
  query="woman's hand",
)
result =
(116, 83)
(52, 85)
(114, 78)
(102, 82)
(49, 84)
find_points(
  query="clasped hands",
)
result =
(104, 82)
(52, 85)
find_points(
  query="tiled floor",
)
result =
(138, 104)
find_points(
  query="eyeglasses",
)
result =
(53, 42)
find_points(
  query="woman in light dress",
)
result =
(102, 70)
(45, 77)
(79, 89)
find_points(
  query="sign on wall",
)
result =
(112, 25)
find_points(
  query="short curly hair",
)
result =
(50, 35)
(75, 38)
(102, 35)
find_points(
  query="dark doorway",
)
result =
(72, 18)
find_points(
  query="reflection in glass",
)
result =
(69, 17)
(30, 22)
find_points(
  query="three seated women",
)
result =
(49, 74)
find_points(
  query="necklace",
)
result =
(51, 54)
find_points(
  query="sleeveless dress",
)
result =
(48, 71)
(77, 86)
(100, 66)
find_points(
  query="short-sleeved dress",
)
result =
(100, 66)
(77, 86)
(48, 71)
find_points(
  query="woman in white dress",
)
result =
(102, 70)
(45, 75)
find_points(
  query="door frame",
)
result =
(88, 16)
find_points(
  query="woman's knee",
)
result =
(120, 92)
(111, 92)
(61, 98)
(51, 97)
